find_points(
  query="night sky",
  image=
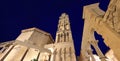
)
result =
(16, 15)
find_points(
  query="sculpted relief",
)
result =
(112, 16)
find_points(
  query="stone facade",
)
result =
(29, 45)
(35, 44)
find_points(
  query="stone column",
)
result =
(63, 54)
(68, 58)
(100, 54)
(3, 49)
(6, 53)
(53, 56)
(73, 56)
(61, 37)
(58, 57)
(91, 54)
(57, 37)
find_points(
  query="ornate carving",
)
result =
(64, 37)
(112, 16)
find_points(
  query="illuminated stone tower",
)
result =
(64, 32)
(64, 47)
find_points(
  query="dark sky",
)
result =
(16, 15)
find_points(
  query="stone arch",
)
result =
(93, 42)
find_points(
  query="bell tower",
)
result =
(64, 47)
(64, 31)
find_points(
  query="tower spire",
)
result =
(64, 31)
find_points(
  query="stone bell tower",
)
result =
(64, 32)
(64, 47)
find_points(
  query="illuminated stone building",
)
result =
(34, 44)
(106, 24)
